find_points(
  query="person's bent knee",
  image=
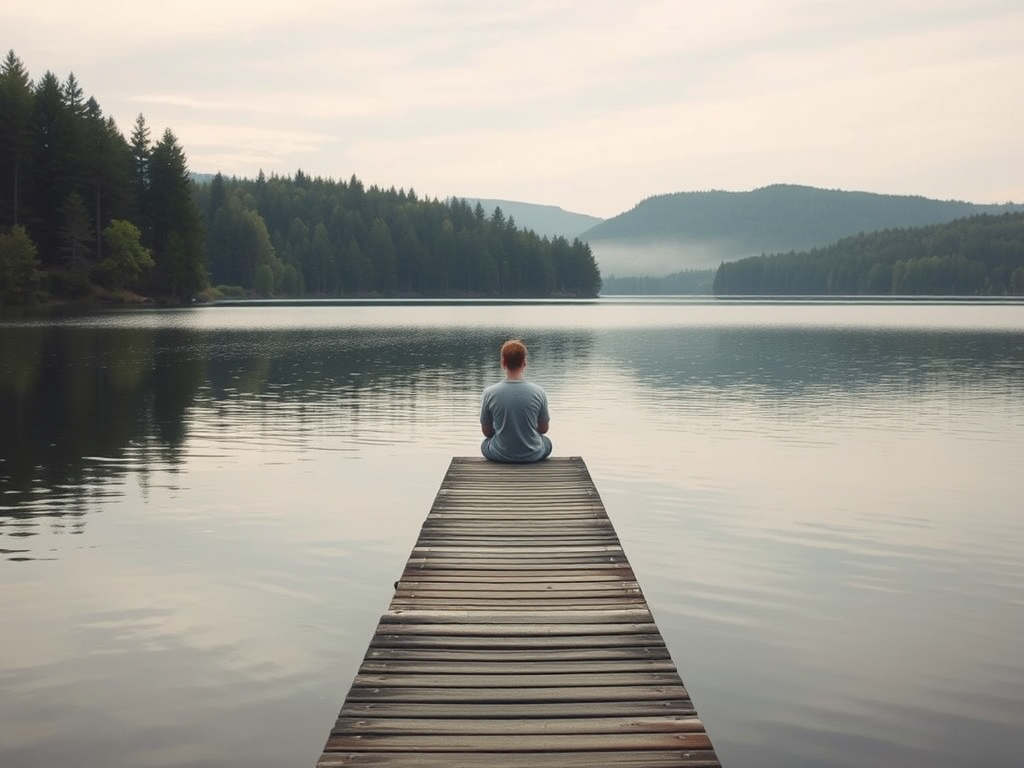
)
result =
(485, 450)
(547, 446)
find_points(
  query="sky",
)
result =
(591, 105)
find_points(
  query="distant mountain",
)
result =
(547, 220)
(699, 230)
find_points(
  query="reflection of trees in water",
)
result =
(357, 386)
(792, 361)
(73, 401)
(81, 407)
(310, 364)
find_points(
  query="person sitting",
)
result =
(514, 413)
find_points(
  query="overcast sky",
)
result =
(591, 105)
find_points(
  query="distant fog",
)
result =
(647, 258)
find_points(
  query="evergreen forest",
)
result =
(86, 212)
(305, 236)
(980, 255)
(83, 208)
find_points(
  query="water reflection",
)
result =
(83, 405)
(79, 411)
(800, 361)
(202, 512)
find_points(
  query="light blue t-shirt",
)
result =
(514, 407)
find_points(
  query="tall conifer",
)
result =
(15, 133)
(177, 229)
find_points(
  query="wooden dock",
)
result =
(518, 637)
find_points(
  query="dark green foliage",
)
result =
(139, 151)
(46, 180)
(19, 267)
(15, 134)
(237, 239)
(74, 234)
(281, 236)
(108, 170)
(67, 173)
(977, 256)
(176, 226)
(126, 258)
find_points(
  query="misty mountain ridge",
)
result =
(699, 230)
(547, 220)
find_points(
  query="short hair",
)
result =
(513, 354)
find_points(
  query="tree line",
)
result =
(85, 210)
(82, 206)
(980, 255)
(310, 236)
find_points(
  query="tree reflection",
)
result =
(73, 401)
(789, 362)
(84, 406)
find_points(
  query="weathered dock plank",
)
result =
(639, 759)
(518, 636)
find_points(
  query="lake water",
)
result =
(202, 513)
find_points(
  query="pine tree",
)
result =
(177, 229)
(140, 152)
(47, 191)
(70, 148)
(15, 133)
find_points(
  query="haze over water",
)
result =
(202, 513)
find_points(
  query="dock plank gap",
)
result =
(518, 637)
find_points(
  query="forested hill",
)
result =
(978, 256)
(701, 229)
(305, 236)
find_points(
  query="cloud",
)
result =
(233, 152)
(588, 106)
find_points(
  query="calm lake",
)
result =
(202, 513)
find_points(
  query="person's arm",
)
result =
(486, 419)
(543, 416)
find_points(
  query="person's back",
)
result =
(514, 413)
